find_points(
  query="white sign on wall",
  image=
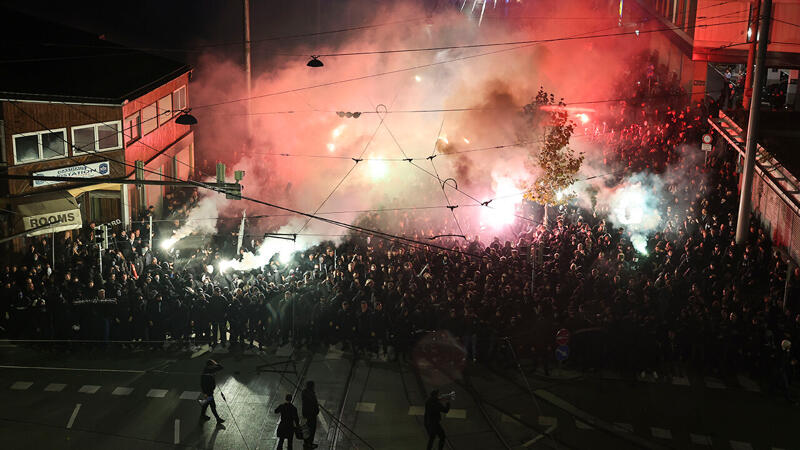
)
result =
(91, 170)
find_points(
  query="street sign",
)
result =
(562, 337)
(706, 138)
(562, 352)
(706, 147)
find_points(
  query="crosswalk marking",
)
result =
(89, 389)
(21, 385)
(190, 395)
(55, 387)
(365, 407)
(714, 383)
(509, 419)
(74, 415)
(680, 381)
(700, 439)
(583, 425)
(547, 421)
(748, 384)
(177, 431)
(333, 355)
(624, 426)
(157, 393)
(661, 433)
(120, 390)
(457, 414)
(416, 410)
(739, 445)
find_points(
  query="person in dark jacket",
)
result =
(289, 422)
(310, 412)
(433, 419)
(208, 383)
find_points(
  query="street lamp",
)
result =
(314, 62)
(185, 118)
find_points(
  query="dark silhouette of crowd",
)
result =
(693, 300)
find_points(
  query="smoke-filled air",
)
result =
(431, 129)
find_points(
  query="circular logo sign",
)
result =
(103, 168)
(706, 139)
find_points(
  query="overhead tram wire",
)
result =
(355, 160)
(425, 246)
(461, 58)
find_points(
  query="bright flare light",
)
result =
(444, 139)
(584, 118)
(167, 244)
(285, 256)
(210, 268)
(337, 131)
(639, 243)
(331, 146)
(466, 140)
(417, 78)
(629, 206)
(502, 210)
(377, 168)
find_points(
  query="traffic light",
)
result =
(232, 191)
(101, 236)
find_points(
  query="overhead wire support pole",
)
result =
(743, 220)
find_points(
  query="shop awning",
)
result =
(95, 187)
(50, 213)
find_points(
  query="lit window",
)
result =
(179, 99)
(40, 145)
(164, 109)
(96, 137)
(133, 127)
(149, 123)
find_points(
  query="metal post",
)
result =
(789, 270)
(743, 222)
(247, 67)
(53, 246)
(150, 245)
(241, 233)
(751, 52)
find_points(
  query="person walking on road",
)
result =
(289, 422)
(208, 383)
(433, 419)
(310, 412)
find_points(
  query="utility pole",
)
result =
(751, 53)
(247, 71)
(150, 241)
(241, 233)
(743, 222)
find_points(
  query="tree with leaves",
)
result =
(557, 162)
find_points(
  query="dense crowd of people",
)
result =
(693, 298)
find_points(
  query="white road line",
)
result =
(457, 414)
(628, 428)
(190, 395)
(74, 415)
(120, 390)
(55, 387)
(547, 421)
(21, 385)
(157, 393)
(416, 410)
(365, 407)
(714, 383)
(700, 439)
(89, 389)
(661, 433)
(680, 381)
(76, 369)
(748, 384)
(177, 431)
(739, 445)
(581, 425)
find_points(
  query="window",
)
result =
(149, 123)
(40, 145)
(179, 99)
(164, 109)
(133, 127)
(97, 137)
